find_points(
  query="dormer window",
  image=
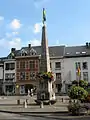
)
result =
(67, 53)
(32, 52)
(23, 52)
(83, 52)
(77, 52)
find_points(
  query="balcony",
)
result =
(9, 68)
(9, 80)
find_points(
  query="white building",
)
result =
(9, 76)
(1, 76)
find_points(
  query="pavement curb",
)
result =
(57, 112)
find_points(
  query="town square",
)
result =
(45, 78)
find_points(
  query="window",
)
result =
(32, 52)
(50, 65)
(84, 65)
(17, 64)
(23, 52)
(9, 76)
(7, 66)
(78, 77)
(85, 76)
(58, 76)
(32, 75)
(26, 64)
(18, 75)
(32, 65)
(77, 52)
(22, 75)
(58, 65)
(22, 64)
(37, 64)
(78, 65)
(27, 76)
(10, 66)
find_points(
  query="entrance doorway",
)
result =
(28, 87)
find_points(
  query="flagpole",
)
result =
(78, 82)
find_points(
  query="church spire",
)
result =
(45, 60)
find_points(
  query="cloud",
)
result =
(16, 42)
(15, 33)
(15, 24)
(11, 34)
(8, 35)
(35, 42)
(37, 28)
(1, 18)
(7, 44)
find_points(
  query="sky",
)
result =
(68, 23)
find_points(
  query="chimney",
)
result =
(29, 45)
(87, 45)
(13, 49)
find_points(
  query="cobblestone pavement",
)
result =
(13, 99)
(8, 116)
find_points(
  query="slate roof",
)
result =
(77, 51)
(54, 51)
(59, 51)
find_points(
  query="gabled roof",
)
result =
(54, 51)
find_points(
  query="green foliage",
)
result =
(88, 90)
(77, 92)
(46, 75)
(74, 108)
(87, 100)
(82, 83)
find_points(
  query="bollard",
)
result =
(62, 99)
(27, 101)
(41, 104)
(18, 102)
(49, 102)
(25, 104)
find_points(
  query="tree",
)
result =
(82, 83)
(77, 92)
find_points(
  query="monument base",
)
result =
(46, 102)
(46, 97)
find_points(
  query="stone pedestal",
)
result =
(46, 91)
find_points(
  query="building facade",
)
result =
(1, 76)
(22, 69)
(27, 66)
(9, 77)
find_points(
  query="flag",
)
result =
(44, 15)
(79, 71)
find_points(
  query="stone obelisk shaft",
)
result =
(45, 60)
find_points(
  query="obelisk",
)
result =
(46, 91)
